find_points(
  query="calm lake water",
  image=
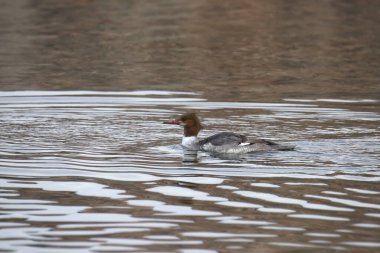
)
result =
(86, 164)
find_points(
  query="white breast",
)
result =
(190, 142)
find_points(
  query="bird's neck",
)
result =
(191, 130)
(190, 142)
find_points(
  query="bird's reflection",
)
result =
(190, 156)
(230, 157)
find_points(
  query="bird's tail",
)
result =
(286, 147)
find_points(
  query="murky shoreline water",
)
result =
(265, 50)
(99, 172)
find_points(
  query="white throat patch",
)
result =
(190, 142)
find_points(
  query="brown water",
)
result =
(87, 166)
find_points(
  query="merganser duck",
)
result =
(225, 142)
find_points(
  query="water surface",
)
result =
(98, 171)
(86, 164)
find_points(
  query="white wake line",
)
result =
(33, 93)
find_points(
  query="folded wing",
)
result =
(224, 138)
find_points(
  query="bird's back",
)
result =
(232, 143)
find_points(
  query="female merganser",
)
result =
(225, 142)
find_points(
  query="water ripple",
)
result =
(85, 170)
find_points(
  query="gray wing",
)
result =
(225, 138)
